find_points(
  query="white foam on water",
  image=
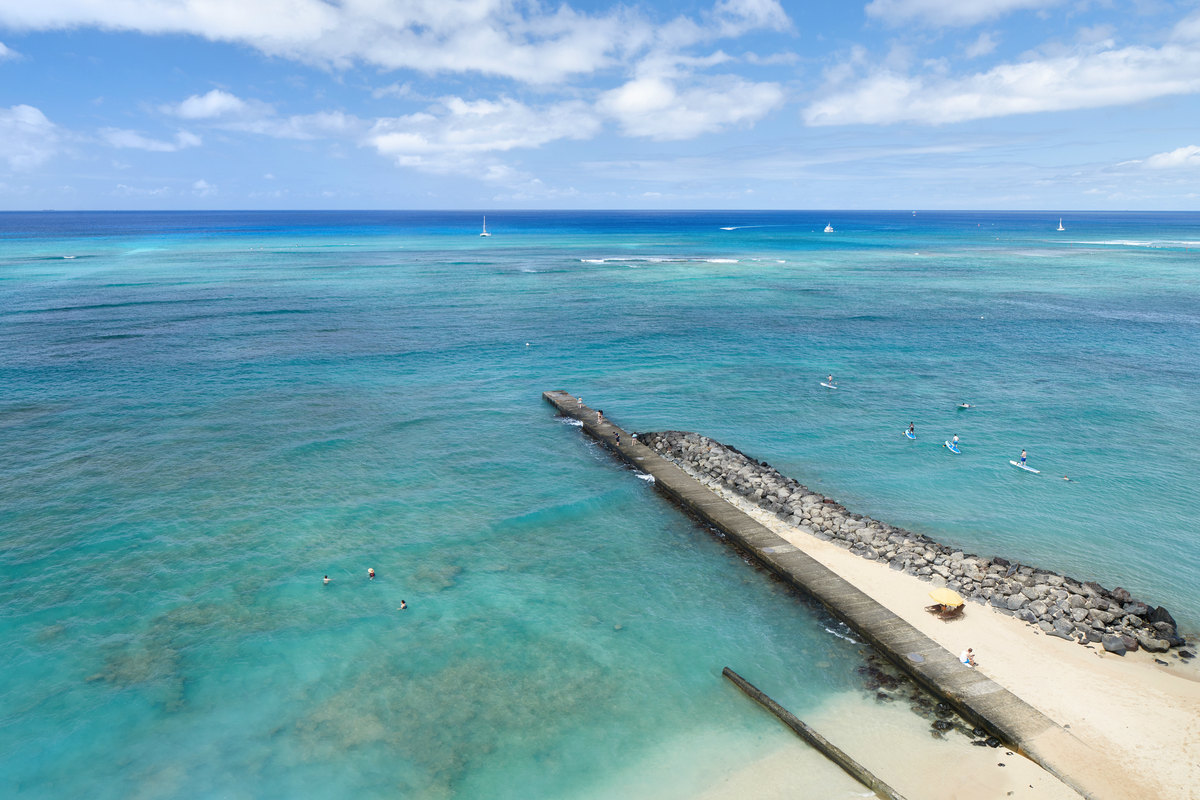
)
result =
(842, 635)
(1148, 243)
(578, 423)
(645, 477)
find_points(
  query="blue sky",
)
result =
(494, 104)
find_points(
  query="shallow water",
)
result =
(205, 413)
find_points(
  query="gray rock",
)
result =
(1113, 643)
(1062, 627)
(1016, 601)
(1150, 643)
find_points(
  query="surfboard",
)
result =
(1019, 465)
(953, 447)
(910, 434)
(828, 385)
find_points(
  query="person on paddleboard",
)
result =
(1022, 458)
(954, 441)
(911, 429)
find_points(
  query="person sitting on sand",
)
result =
(967, 657)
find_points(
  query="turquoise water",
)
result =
(205, 413)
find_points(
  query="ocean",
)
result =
(205, 413)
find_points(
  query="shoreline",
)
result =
(1140, 718)
(1099, 723)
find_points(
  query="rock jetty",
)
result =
(1080, 611)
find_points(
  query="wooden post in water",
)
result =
(828, 749)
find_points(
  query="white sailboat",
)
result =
(1060, 227)
(829, 227)
(485, 233)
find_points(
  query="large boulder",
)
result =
(1113, 643)
(1160, 614)
(1150, 643)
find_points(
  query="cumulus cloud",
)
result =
(654, 106)
(226, 111)
(949, 13)
(213, 105)
(117, 137)
(7, 52)
(1179, 158)
(203, 188)
(489, 36)
(27, 138)
(450, 136)
(1082, 79)
(523, 40)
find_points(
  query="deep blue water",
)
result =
(204, 413)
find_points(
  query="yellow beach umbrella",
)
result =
(947, 597)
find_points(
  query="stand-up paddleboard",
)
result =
(953, 447)
(828, 385)
(910, 434)
(1019, 465)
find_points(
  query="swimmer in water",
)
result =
(326, 581)
(403, 606)
(371, 573)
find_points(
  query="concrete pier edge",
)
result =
(976, 697)
(816, 740)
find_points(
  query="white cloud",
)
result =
(949, 13)
(523, 40)
(117, 137)
(982, 46)
(216, 104)
(226, 111)
(735, 17)
(1182, 157)
(655, 107)
(452, 135)
(203, 188)
(7, 52)
(1084, 79)
(27, 137)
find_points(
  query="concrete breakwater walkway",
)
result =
(974, 695)
(1060, 606)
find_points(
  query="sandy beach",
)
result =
(1141, 719)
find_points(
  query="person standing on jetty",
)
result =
(967, 657)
